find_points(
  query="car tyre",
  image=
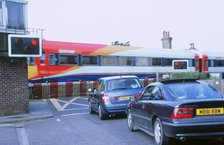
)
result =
(131, 125)
(159, 136)
(91, 111)
(102, 115)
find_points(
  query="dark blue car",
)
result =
(113, 95)
(179, 109)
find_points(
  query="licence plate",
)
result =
(210, 111)
(125, 97)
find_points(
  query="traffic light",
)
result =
(180, 64)
(24, 46)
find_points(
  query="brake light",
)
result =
(137, 96)
(181, 113)
(116, 98)
(105, 98)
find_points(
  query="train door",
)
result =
(201, 64)
(204, 63)
(197, 63)
(42, 67)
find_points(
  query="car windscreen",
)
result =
(123, 83)
(189, 90)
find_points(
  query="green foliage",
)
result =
(187, 75)
(184, 75)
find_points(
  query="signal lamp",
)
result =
(24, 46)
(34, 42)
(19, 41)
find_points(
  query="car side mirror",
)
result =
(137, 97)
(91, 90)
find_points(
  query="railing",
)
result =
(25, 31)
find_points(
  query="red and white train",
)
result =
(69, 62)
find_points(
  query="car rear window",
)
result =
(180, 91)
(123, 83)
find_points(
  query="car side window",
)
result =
(101, 86)
(147, 93)
(156, 94)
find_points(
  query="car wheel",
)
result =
(159, 136)
(101, 113)
(91, 111)
(131, 125)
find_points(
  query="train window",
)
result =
(52, 59)
(141, 61)
(89, 60)
(168, 61)
(125, 61)
(211, 62)
(206, 63)
(156, 61)
(42, 58)
(191, 63)
(68, 60)
(30, 61)
(109, 60)
(219, 63)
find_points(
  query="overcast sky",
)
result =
(141, 22)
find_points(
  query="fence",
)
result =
(71, 89)
(68, 89)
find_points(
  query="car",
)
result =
(177, 109)
(113, 95)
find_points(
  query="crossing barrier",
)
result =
(65, 89)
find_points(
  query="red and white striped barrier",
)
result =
(65, 89)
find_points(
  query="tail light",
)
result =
(105, 98)
(137, 96)
(116, 98)
(181, 113)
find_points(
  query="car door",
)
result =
(150, 106)
(97, 94)
(138, 109)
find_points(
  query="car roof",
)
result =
(177, 81)
(118, 77)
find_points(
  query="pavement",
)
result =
(38, 109)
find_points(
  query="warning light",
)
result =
(180, 64)
(19, 41)
(177, 64)
(24, 46)
(34, 42)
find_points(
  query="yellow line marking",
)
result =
(69, 102)
(56, 104)
(79, 104)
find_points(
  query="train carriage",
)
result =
(68, 62)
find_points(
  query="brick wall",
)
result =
(14, 93)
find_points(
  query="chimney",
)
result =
(166, 40)
(192, 46)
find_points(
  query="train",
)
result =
(70, 62)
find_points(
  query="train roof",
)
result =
(118, 77)
(116, 50)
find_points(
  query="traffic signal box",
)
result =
(180, 64)
(24, 46)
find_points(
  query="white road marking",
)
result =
(69, 102)
(22, 135)
(6, 125)
(58, 120)
(84, 108)
(56, 104)
(80, 104)
(74, 114)
(83, 98)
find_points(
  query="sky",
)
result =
(141, 22)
